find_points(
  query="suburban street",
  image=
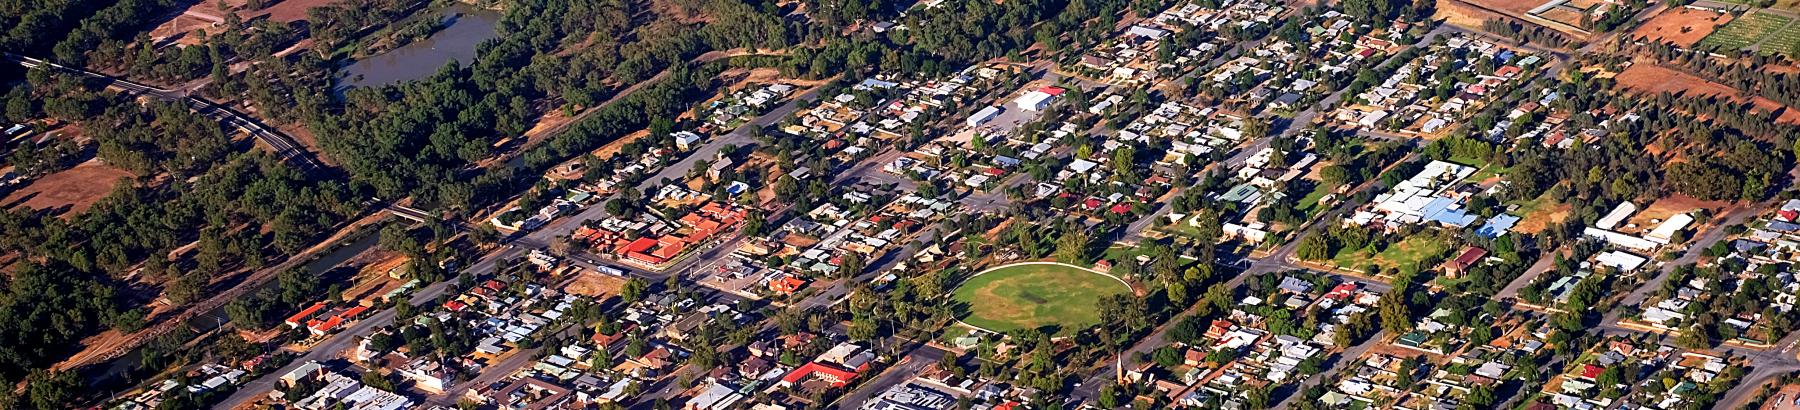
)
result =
(1435, 98)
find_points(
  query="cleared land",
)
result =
(1538, 214)
(69, 192)
(1681, 26)
(184, 28)
(595, 285)
(1513, 7)
(1653, 79)
(1062, 298)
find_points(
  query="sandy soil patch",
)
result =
(595, 285)
(1514, 7)
(372, 280)
(680, 13)
(285, 11)
(204, 16)
(69, 192)
(1662, 209)
(1461, 15)
(1542, 218)
(1681, 25)
(1562, 15)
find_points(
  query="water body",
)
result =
(466, 27)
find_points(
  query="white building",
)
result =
(983, 116)
(1037, 100)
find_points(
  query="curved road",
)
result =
(282, 144)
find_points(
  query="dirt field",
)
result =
(1541, 219)
(1681, 25)
(595, 285)
(1513, 7)
(288, 10)
(70, 191)
(1461, 15)
(1654, 79)
(372, 279)
(185, 27)
(1664, 208)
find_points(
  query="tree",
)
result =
(1396, 315)
(1694, 337)
(373, 378)
(1208, 228)
(1073, 247)
(851, 265)
(1481, 396)
(1109, 396)
(1334, 175)
(1166, 357)
(633, 290)
(1314, 247)
(47, 390)
(863, 327)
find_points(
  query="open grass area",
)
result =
(1118, 252)
(1310, 203)
(1058, 299)
(1412, 251)
(1744, 31)
(1485, 172)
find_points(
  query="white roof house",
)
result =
(1624, 262)
(1033, 101)
(1618, 215)
(1665, 232)
(986, 114)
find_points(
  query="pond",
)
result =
(465, 28)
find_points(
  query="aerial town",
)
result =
(896, 205)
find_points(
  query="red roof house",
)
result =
(830, 374)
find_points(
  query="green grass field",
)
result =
(1744, 31)
(1310, 202)
(1036, 296)
(1412, 251)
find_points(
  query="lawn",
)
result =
(1310, 203)
(1412, 251)
(1486, 171)
(1061, 299)
(1744, 31)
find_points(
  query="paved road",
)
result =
(1544, 264)
(1771, 365)
(1712, 235)
(1342, 361)
(560, 228)
(283, 145)
(333, 346)
(914, 361)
